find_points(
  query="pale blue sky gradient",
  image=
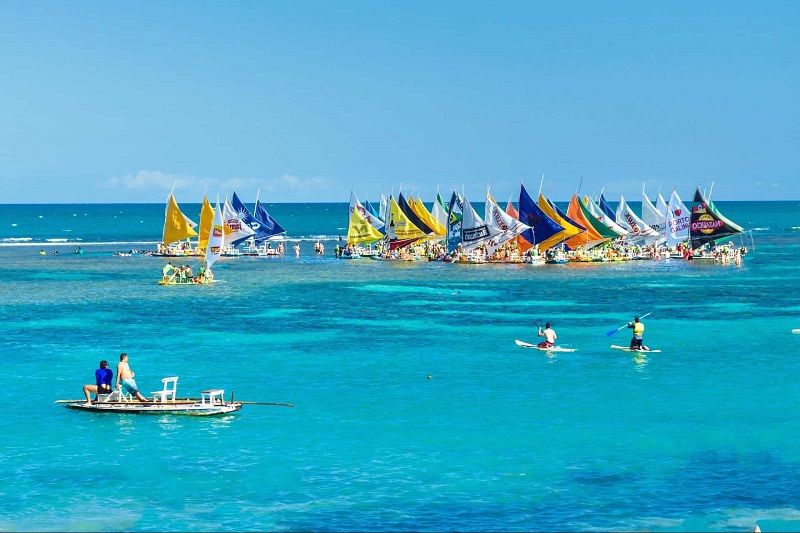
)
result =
(115, 101)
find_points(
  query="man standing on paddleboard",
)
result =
(638, 330)
(549, 336)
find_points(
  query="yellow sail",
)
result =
(176, 226)
(360, 231)
(569, 229)
(206, 220)
(400, 227)
(422, 212)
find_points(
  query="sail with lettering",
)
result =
(638, 230)
(506, 226)
(401, 231)
(474, 230)
(261, 231)
(708, 224)
(177, 226)
(360, 230)
(235, 229)
(678, 220)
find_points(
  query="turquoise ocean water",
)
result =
(702, 436)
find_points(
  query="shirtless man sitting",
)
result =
(125, 377)
(549, 337)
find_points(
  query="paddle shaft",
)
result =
(626, 325)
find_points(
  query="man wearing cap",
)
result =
(638, 330)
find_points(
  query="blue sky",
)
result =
(304, 101)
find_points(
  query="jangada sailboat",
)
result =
(213, 250)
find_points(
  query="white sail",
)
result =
(678, 220)
(216, 238)
(654, 218)
(439, 210)
(638, 230)
(474, 231)
(235, 229)
(604, 219)
(504, 224)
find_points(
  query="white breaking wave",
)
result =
(16, 239)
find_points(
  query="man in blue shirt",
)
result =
(102, 377)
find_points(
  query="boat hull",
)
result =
(187, 409)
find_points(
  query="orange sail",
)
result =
(588, 238)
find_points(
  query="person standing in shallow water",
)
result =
(125, 377)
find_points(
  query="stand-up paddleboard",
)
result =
(551, 349)
(796, 331)
(628, 349)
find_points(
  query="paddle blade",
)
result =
(609, 333)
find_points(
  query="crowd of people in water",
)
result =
(177, 274)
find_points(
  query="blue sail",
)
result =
(248, 218)
(605, 208)
(377, 222)
(542, 226)
(269, 226)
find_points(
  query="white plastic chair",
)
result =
(168, 392)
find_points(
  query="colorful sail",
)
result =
(708, 224)
(402, 203)
(377, 222)
(543, 229)
(571, 228)
(261, 231)
(455, 215)
(506, 226)
(236, 230)
(678, 220)
(592, 236)
(425, 215)
(522, 244)
(206, 219)
(474, 230)
(269, 226)
(176, 225)
(605, 208)
(216, 237)
(601, 217)
(360, 230)
(401, 230)
(638, 230)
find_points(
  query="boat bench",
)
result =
(212, 397)
(168, 392)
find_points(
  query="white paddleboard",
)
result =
(628, 349)
(552, 349)
(796, 331)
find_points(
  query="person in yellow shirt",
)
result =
(638, 331)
